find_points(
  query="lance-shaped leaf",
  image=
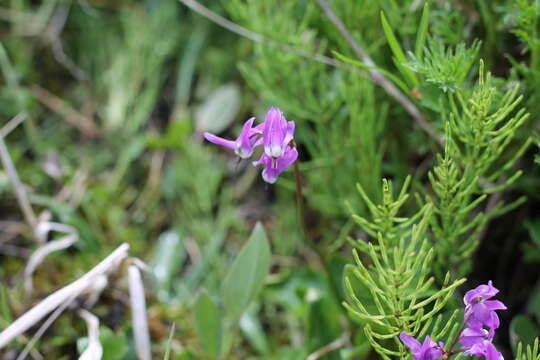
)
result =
(246, 276)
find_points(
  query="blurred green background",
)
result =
(117, 95)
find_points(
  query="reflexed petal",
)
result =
(244, 146)
(220, 141)
(274, 133)
(289, 133)
(469, 337)
(494, 305)
(410, 341)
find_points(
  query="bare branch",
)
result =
(94, 351)
(62, 296)
(43, 228)
(379, 78)
(334, 345)
(255, 37)
(138, 312)
(59, 106)
(20, 192)
(12, 124)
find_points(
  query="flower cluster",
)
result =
(275, 134)
(476, 339)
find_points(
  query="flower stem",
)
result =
(302, 219)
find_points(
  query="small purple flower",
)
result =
(470, 337)
(479, 310)
(277, 133)
(486, 350)
(275, 166)
(429, 350)
(245, 143)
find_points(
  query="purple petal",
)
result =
(220, 141)
(410, 341)
(244, 147)
(470, 337)
(494, 305)
(481, 292)
(492, 353)
(289, 133)
(274, 134)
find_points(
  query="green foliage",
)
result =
(208, 325)
(532, 352)
(446, 67)
(246, 276)
(396, 273)
(481, 124)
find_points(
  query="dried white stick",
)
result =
(20, 192)
(138, 312)
(94, 351)
(56, 299)
(12, 124)
(30, 345)
(37, 257)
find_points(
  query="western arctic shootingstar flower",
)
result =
(275, 134)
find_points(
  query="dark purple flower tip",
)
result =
(429, 350)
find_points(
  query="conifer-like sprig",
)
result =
(531, 353)
(395, 272)
(480, 126)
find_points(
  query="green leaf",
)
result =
(219, 109)
(533, 305)
(252, 330)
(422, 32)
(399, 55)
(4, 303)
(246, 276)
(208, 325)
(522, 329)
(169, 343)
(168, 258)
(323, 325)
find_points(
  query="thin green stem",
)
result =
(310, 241)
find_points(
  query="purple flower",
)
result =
(486, 350)
(277, 133)
(275, 166)
(479, 310)
(429, 350)
(243, 146)
(470, 337)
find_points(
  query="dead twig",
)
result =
(59, 298)
(255, 37)
(12, 124)
(334, 345)
(20, 192)
(43, 228)
(379, 78)
(138, 313)
(59, 106)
